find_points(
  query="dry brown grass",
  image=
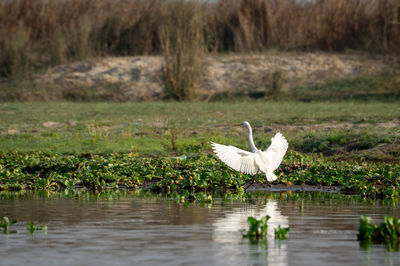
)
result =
(35, 34)
(38, 33)
(372, 25)
(182, 44)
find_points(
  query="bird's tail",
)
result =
(271, 176)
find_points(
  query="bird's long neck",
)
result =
(251, 142)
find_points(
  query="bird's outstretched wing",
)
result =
(240, 160)
(276, 150)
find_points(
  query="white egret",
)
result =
(255, 161)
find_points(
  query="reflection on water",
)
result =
(127, 228)
(236, 219)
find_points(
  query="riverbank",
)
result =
(299, 76)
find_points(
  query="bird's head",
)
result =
(244, 123)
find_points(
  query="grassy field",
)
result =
(359, 130)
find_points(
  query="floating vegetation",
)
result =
(281, 233)
(32, 228)
(257, 228)
(186, 175)
(386, 233)
(5, 224)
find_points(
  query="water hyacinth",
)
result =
(204, 173)
(5, 224)
(387, 232)
(257, 228)
(281, 233)
(32, 228)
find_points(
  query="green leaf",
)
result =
(251, 220)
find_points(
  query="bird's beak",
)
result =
(237, 125)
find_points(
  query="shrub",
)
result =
(183, 48)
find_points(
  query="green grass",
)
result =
(385, 87)
(145, 128)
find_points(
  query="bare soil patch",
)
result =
(141, 78)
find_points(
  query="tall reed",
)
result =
(182, 44)
(39, 33)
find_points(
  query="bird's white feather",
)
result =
(276, 150)
(271, 176)
(239, 160)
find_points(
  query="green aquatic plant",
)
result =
(257, 228)
(5, 224)
(366, 229)
(281, 233)
(194, 174)
(387, 232)
(32, 228)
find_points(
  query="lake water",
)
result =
(133, 229)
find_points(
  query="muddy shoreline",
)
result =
(294, 188)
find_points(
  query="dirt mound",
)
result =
(141, 78)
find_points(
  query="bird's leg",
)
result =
(251, 183)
